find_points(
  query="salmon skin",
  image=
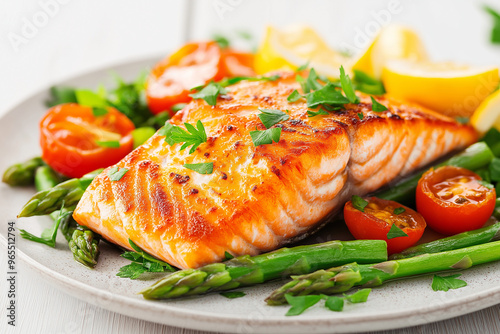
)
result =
(260, 198)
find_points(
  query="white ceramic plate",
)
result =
(399, 304)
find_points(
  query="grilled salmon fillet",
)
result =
(259, 198)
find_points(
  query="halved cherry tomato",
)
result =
(70, 135)
(193, 65)
(238, 63)
(452, 200)
(377, 219)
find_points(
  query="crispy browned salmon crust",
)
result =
(259, 198)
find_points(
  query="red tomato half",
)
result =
(452, 200)
(171, 80)
(377, 219)
(72, 139)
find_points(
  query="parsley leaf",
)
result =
(270, 117)
(209, 93)
(192, 137)
(108, 143)
(49, 235)
(395, 232)
(347, 86)
(360, 296)
(360, 115)
(115, 173)
(60, 95)
(178, 106)
(445, 283)
(399, 210)
(227, 256)
(366, 84)
(311, 113)
(301, 303)
(495, 31)
(233, 294)
(234, 80)
(141, 263)
(492, 138)
(202, 168)
(327, 95)
(222, 41)
(302, 67)
(359, 203)
(265, 137)
(294, 96)
(334, 303)
(377, 107)
(312, 80)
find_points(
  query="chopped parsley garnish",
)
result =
(366, 84)
(234, 80)
(233, 294)
(334, 303)
(142, 262)
(359, 203)
(108, 143)
(360, 115)
(202, 168)
(395, 232)
(178, 106)
(90, 99)
(398, 211)
(312, 81)
(347, 86)
(209, 93)
(445, 283)
(115, 173)
(193, 137)
(311, 113)
(376, 106)
(222, 41)
(49, 235)
(303, 67)
(294, 96)
(270, 117)
(301, 303)
(495, 31)
(327, 95)
(227, 256)
(265, 137)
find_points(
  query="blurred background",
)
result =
(46, 41)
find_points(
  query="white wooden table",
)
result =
(81, 35)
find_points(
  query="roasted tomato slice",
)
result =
(193, 65)
(238, 63)
(453, 200)
(75, 142)
(376, 221)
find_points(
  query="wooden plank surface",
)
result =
(42, 308)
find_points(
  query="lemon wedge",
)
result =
(295, 46)
(392, 42)
(449, 88)
(487, 115)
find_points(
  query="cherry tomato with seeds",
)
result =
(454, 200)
(378, 217)
(75, 142)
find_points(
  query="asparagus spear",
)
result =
(475, 156)
(82, 242)
(50, 200)
(246, 270)
(340, 279)
(22, 174)
(466, 239)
